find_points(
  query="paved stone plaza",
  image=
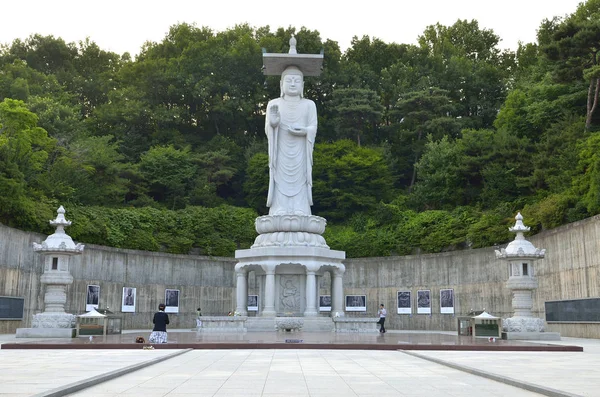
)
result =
(296, 372)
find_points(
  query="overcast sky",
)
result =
(124, 25)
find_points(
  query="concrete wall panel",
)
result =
(570, 270)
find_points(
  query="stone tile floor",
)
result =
(273, 372)
(300, 373)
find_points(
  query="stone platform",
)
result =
(220, 324)
(545, 336)
(356, 325)
(392, 340)
(45, 333)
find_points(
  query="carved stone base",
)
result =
(282, 239)
(53, 320)
(290, 223)
(290, 230)
(523, 324)
(289, 324)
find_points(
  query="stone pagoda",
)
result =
(520, 255)
(54, 322)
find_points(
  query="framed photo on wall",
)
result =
(324, 303)
(447, 301)
(356, 303)
(404, 302)
(172, 301)
(92, 297)
(252, 303)
(128, 302)
(424, 301)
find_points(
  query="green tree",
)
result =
(46, 54)
(358, 113)
(497, 166)
(256, 185)
(96, 75)
(587, 184)
(574, 47)
(22, 141)
(465, 60)
(441, 182)
(420, 114)
(103, 168)
(58, 117)
(168, 172)
(20, 81)
(24, 151)
(348, 178)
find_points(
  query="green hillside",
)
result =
(420, 148)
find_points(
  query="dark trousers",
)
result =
(382, 323)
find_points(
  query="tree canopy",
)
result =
(421, 147)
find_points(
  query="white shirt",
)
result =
(382, 313)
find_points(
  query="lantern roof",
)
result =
(520, 247)
(59, 241)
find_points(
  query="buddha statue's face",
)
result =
(292, 84)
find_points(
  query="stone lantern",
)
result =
(520, 255)
(56, 249)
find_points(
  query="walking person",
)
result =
(160, 320)
(198, 319)
(382, 313)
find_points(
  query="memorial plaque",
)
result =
(11, 308)
(573, 310)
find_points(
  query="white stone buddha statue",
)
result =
(291, 127)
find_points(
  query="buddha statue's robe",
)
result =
(291, 156)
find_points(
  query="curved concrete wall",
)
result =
(570, 270)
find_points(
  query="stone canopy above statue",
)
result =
(309, 64)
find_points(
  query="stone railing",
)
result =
(354, 324)
(223, 324)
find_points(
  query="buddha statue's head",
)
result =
(292, 82)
